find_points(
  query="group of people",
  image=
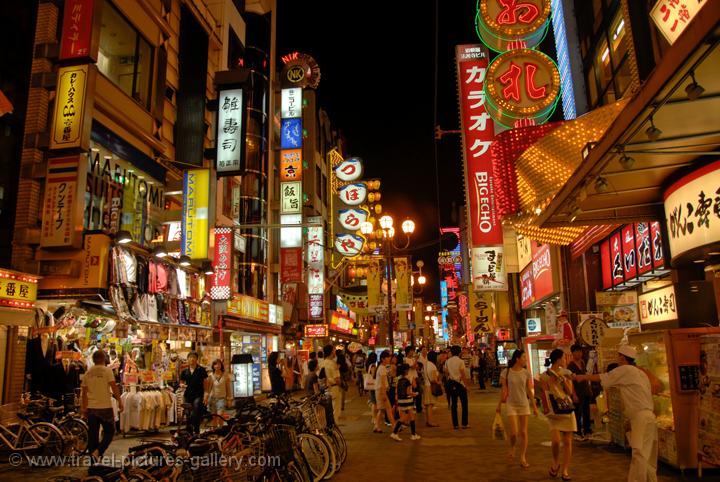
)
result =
(565, 398)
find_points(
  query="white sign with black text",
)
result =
(659, 305)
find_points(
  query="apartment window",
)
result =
(608, 67)
(125, 57)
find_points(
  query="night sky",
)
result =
(377, 63)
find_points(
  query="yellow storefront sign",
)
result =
(196, 202)
(17, 290)
(71, 122)
(244, 306)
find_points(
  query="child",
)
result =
(312, 385)
(405, 403)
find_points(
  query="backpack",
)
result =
(403, 388)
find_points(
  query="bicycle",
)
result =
(208, 420)
(19, 434)
(44, 409)
(109, 474)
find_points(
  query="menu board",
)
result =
(709, 405)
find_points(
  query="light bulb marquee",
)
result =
(503, 24)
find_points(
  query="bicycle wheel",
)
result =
(333, 456)
(341, 445)
(137, 475)
(77, 428)
(295, 473)
(211, 421)
(42, 438)
(316, 454)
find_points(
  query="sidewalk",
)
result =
(446, 454)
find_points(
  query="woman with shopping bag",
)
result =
(519, 396)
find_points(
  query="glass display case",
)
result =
(242, 372)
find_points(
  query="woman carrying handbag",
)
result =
(432, 387)
(558, 408)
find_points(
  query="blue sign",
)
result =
(291, 134)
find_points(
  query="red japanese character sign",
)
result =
(351, 219)
(673, 16)
(222, 264)
(349, 245)
(506, 24)
(350, 169)
(76, 40)
(353, 194)
(522, 84)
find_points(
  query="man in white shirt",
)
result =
(331, 378)
(381, 392)
(457, 376)
(97, 385)
(636, 394)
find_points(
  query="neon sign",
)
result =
(506, 24)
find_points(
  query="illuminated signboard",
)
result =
(230, 133)
(631, 255)
(488, 269)
(71, 120)
(563, 56)
(316, 307)
(300, 70)
(659, 305)
(349, 245)
(291, 236)
(291, 165)
(291, 197)
(672, 17)
(291, 103)
(244, 306)
(523, 84)
(196, 199)
(342, 323)
(501, 24)
(316, 331)
(349, 170)
(76, 40)
(17, 290)
(315, 257)
(353, 194)
(478, 134)
(222, 264)
(351, 219)
(291, 265)
(63, 203)
(290, 133)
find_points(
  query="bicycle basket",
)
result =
(9, 413)
(314, 416)
(280, 440)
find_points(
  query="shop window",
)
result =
(125, 57)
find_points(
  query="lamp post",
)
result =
(417, 290)
(388, 235)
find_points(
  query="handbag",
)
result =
(368, 382)
(436, 389)
(560, 402)
(498, 428)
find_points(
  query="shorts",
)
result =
(216, 405)
(515, 410)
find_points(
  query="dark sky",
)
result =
(377, 63)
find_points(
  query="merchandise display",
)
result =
(709, 405)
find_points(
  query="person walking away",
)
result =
(311, 384)
(194, 377)
(636, 394)
(406, 404)
(359, 369)
(345, 377)
(457, 384)
(330, 373)
(482, 368)
(370, 369)
(96, 404)
(430, 374)
(583, 393)
(441, 360)
(382, 387)
(221, 392)
(556, 381)
(277, 381)
(413, 376)
(518, 396)
(474, 364)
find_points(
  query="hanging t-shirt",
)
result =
(182, 283)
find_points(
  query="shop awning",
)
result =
(232, 323)
(689, 135)
(545, 167)
(16, 317)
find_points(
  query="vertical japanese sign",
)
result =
(374, 278)
(481, 313)
(196, 202)
(230, 144)
(291, 197)
(316, 307)
(63, 204)
(291, 103)
(315, 257)
(291, 186)
(71, 119)
(77, 39)
(291, 265)
(403, 292)
(222, 264)
(477, 134)
(291, 165)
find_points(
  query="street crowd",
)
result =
(409, 384)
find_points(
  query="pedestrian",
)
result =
(405, 403)
(221, 390)
(457, 384)
(441, 360)
(275, 370)
(382, 388)
(583, 393)
(413, 376)
(311, 384)
(345, 377)
(330, 374)
(430, 375)
(97, 388)
(518, 395)
(556, 382)
(359, 368)
(482, 368)
(474, 364)
(636, 394)
(194, 377)
(370, 369)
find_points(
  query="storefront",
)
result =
(246, 328)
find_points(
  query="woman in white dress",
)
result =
(518, 395)
(430, 373)
(556, 383)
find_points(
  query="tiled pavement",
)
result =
(441, 454)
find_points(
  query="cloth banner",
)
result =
(373, 285)
(481, 313)
(403, 291)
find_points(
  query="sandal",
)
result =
(524, 465)
(377, 430)
(554, 471)
(566, 477)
